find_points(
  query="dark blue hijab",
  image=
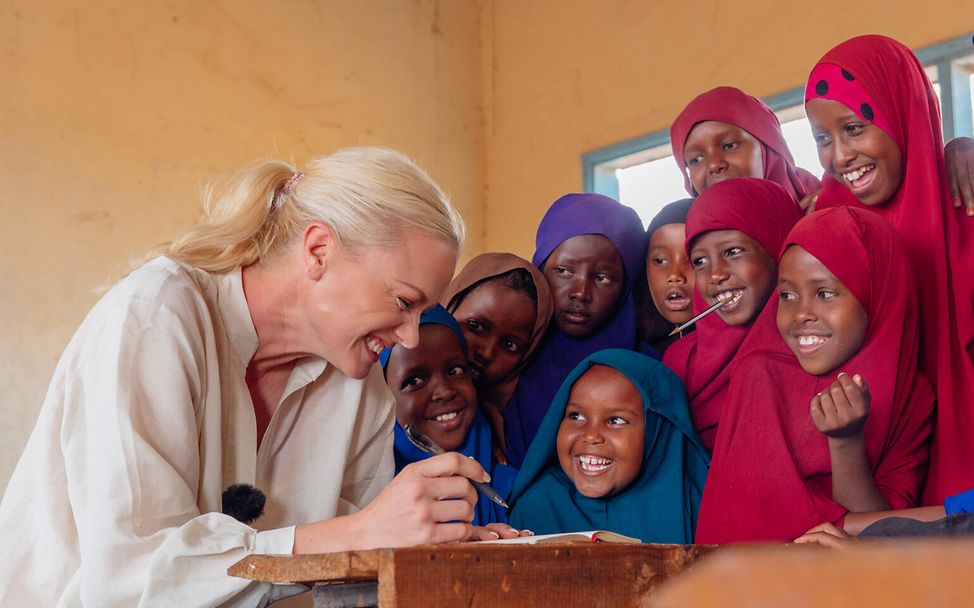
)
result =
(574, 215)
(660, 505)
(477, 444)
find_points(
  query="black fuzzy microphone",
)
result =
(243, 502)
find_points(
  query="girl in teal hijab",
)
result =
(616, 451)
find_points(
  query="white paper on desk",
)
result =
(567, 537)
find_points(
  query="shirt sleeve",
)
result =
(131, 444)
(372, 466)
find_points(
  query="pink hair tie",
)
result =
(292, 182)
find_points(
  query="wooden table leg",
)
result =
(346, 595)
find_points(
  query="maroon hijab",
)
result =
(765, 212)
(881, 80)
(733, 106)
(771, 477)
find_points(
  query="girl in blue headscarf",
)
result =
(435, 393)
(616, 451)
(591, 250)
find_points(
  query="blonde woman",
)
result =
(241, 353)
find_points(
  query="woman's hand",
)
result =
(430, 501)
(828, 535)
(959, 158)
(841, 410)
(495, 531)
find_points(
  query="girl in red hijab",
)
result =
(734, 231)
(847, 303)
(876, 120)
(725, 133)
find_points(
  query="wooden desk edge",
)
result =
(343, 566)
(365, 565)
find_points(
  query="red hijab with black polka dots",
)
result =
(735, 107)
(882, 81)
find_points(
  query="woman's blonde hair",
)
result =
(366, 195)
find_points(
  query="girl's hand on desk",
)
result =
(828, 535)
(495, 531)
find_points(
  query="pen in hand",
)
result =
(421, 441)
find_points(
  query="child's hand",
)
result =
(499, 456)
(807, 203)
(841, 410)
(828, 535)
(495, 531)
(959, 160)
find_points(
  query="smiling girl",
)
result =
(732, 231)
(434, 392)
(826, 413)
(725, 134)
(876, 121)
(616, 451)
(503, 306)
(590, 249)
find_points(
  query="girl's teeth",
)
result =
(852, 176)
(374, 346)
(730, 297)
(810, 340)
(447, 416)
(594, 463)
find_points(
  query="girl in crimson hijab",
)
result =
(734, 231)
(725, 133)
(876, 120)
(847, 305)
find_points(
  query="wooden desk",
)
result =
(472, 574)
(903, 573)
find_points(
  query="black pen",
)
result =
(421, 441)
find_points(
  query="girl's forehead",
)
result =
(668, 234)
(711, 128)
(495, 297)
(587, 247)
(719, 238)
(605, 386)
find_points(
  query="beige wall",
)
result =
(113, 113)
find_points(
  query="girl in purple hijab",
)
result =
(591, 249)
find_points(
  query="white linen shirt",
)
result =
(116, 499)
